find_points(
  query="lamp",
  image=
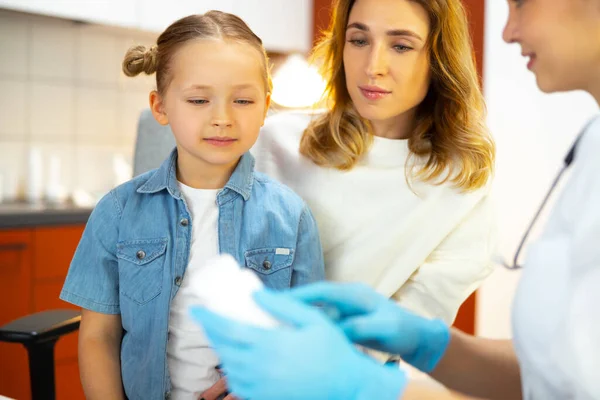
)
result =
(297, 84)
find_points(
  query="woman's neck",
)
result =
(591, 84)
(399, 127)
(595, 91)
(199, 174)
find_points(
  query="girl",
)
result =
(131, 271)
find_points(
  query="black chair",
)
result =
(39, 333)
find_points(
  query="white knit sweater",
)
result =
(428, 248)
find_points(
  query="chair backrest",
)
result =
(153, 144)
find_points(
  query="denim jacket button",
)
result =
(184, 222)
(178, 281)
(267, 264)
(140, 255)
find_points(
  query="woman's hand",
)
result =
(308, 357)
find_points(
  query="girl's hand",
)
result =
(216, 391)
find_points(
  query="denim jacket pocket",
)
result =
(272, 265)
(141, 264)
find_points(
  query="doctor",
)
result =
(555, 353)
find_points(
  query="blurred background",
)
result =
(69, 123)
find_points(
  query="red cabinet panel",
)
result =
(33, 265)
(54, 249)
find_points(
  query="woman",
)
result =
(396, 171)
(556, 352)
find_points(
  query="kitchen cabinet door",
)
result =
(54, 250)
(15, 302)
(110, 12)
(33, 266)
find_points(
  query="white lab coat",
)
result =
(556, 314)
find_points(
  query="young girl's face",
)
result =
(560, 38)
(216, 101)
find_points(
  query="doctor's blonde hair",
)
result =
(450, 134)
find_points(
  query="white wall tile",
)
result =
(12, 168)
(127, 150)
(96, 57)
(53, 50)
(52, 111)
(64, 151)
(94, 168)
(97, 115)
(13, 108)
(62, 91)
(14, 45)
(131, 105)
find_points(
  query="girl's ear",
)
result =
(158, 108)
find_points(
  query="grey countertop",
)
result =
(22, 215)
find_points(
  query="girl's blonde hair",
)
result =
(450, 130)
(212, 25)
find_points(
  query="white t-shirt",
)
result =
(556, 314)
(428, 248)
(190, 359)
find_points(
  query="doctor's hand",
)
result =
(374, 321)
(307, 357)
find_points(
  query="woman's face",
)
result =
(386, 57)
(560, 38)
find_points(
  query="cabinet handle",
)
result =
(13, 247)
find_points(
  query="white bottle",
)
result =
(1, 188)
(55, 192)
(35, 181)
(226, 289)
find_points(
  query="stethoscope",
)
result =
(566, 164)
(569, 158)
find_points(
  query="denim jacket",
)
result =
(135, 249)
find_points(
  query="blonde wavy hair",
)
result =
(450, 135)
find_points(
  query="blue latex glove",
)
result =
(307, 358)
(374, 321)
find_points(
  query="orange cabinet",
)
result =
(465, 320)
(33, 265)
(15, 301)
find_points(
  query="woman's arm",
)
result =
(480, 367)
(455, 268)
(416, 391)
(99, 355)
